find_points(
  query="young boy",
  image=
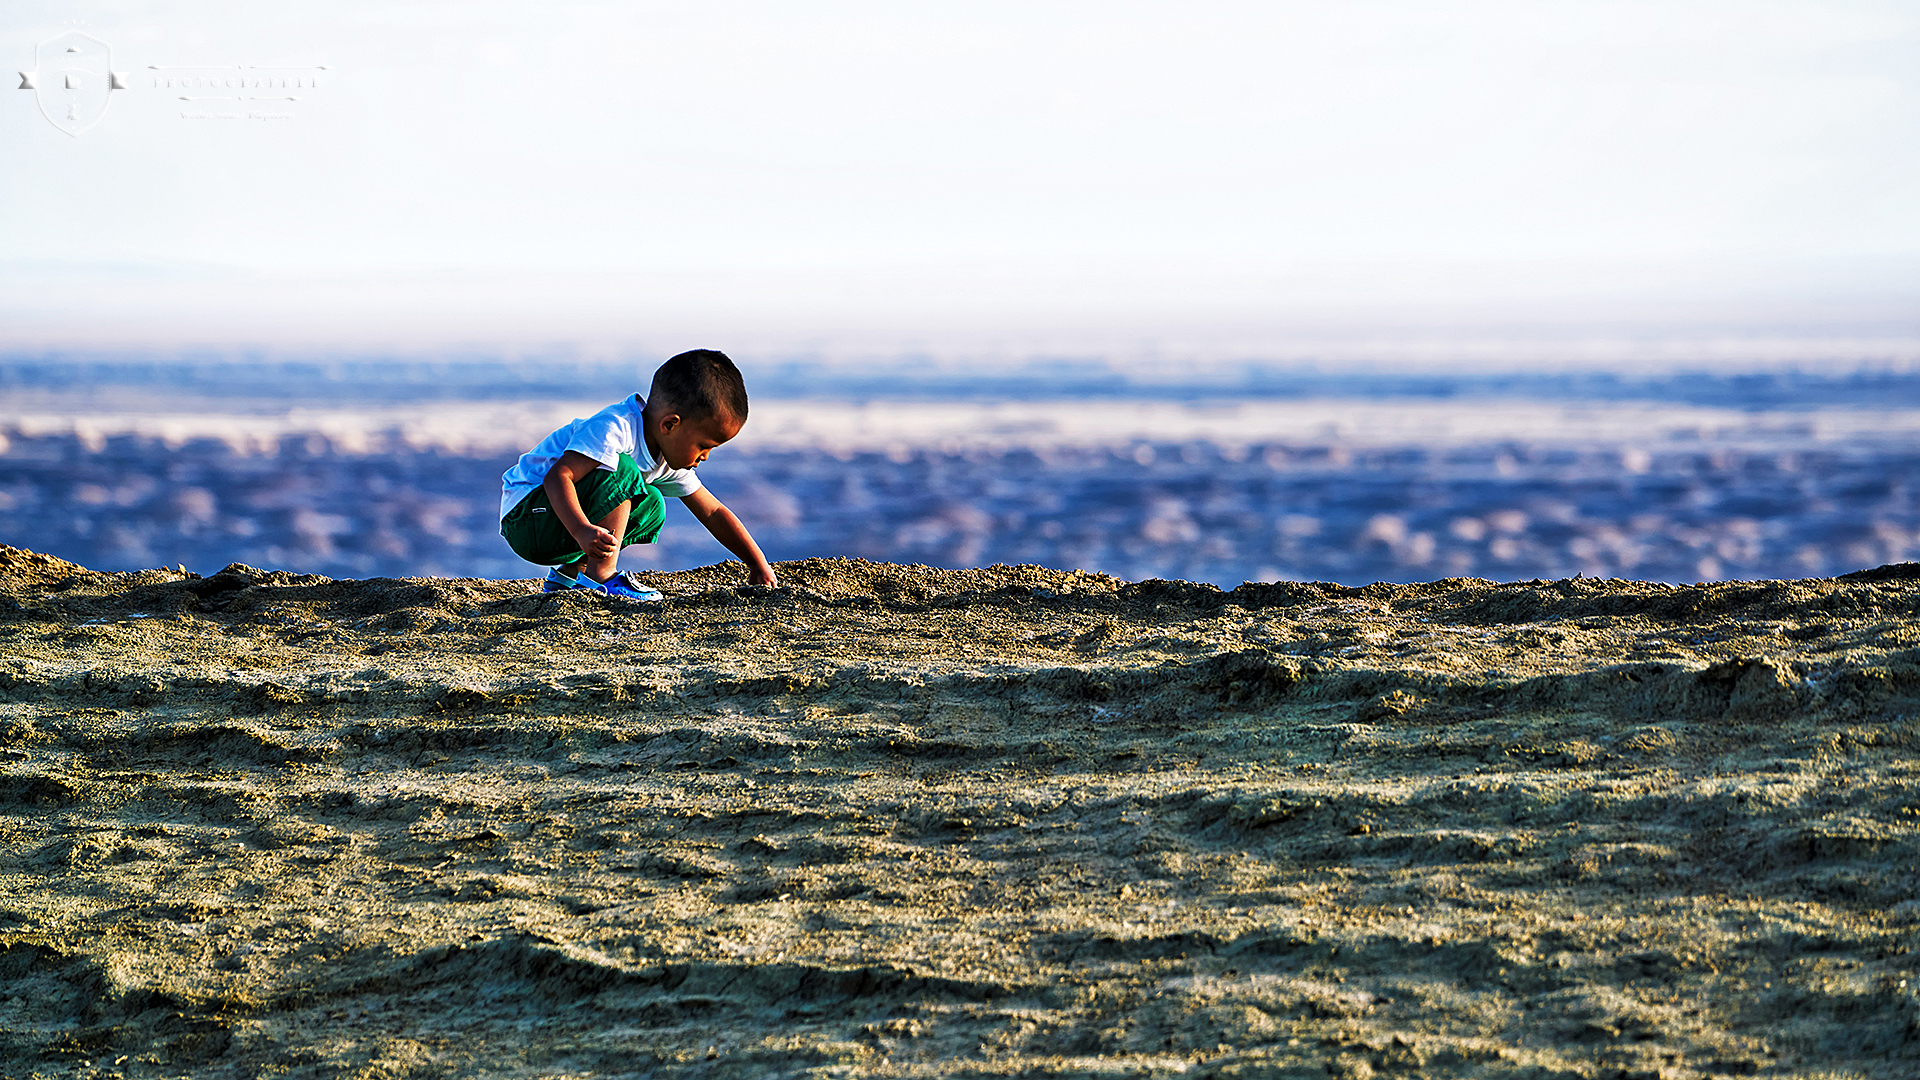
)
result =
(596, 485)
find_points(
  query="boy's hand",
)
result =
(596, 541)
(732, 535)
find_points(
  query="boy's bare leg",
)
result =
(600, 568)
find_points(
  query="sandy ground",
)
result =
(897, 821)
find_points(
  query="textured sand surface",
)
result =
(896, 821)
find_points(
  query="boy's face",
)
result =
(685, 443)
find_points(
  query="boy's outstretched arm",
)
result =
(734, 536)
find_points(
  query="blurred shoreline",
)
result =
(361, 470)
(1838, 372)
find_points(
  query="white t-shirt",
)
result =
(604, 436)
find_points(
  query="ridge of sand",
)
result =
(902, 821)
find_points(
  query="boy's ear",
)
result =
(669, 422)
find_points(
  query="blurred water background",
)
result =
(379, 467)
(1230, 291)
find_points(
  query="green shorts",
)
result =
(534, 531)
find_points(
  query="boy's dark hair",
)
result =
(702, 383)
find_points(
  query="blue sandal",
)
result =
(620, 584)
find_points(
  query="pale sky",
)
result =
(1048, 174)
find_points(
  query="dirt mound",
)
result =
(892, 820)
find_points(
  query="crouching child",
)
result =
(597, 485)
